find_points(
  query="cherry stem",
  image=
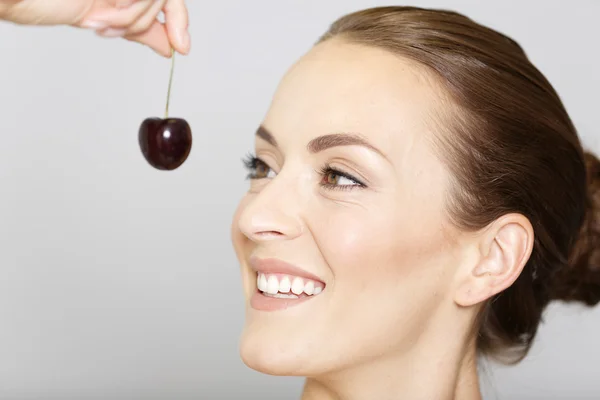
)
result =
(170, 82)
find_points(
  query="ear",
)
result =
(503, 251)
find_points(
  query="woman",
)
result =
(418, 196)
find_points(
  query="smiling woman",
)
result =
(418, 196)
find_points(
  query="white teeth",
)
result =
(282, 296)
(272, 285)
(297, 286)
(309, 288)
(285, 285)
(262, 283)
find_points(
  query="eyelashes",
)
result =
(328, 172)
(330, 176)
(250, 163)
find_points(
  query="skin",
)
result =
(403, 286)
(134, 20)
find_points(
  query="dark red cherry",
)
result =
(165, 143)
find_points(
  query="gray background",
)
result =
(118, 281)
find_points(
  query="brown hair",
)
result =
(513, 149)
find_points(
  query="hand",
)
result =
(135, 20)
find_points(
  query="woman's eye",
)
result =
(263, 171)
(333, 179)
(257, 168)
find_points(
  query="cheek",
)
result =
(370, 249)
(389, 276)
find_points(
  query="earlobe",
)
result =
(504, 251)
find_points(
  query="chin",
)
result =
(273, 352)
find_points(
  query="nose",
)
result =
(274, 212)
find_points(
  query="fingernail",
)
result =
(91, 24)
(186, 40)
(111, 32)
(182, 38)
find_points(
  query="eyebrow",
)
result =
(324, 142)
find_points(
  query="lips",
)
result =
(275, 266)
(281, 285)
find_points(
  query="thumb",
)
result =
(177, 21)
(154, 37)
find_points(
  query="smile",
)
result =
(280, 285)
(286, 286)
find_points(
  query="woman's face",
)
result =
(343, 237)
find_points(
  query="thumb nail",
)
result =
(184, 39)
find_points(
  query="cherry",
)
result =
(165, 143)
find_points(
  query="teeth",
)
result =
(282, 296)
(285, 285)
(272, 285)
(309, 288)
(262, 283)
(281, 287)
(297, 286)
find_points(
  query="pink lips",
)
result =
(275, 266)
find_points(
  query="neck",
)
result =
(442, 369)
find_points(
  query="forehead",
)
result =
(344, 87)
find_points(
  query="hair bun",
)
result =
(580, 281)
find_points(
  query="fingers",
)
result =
(143, 23)
(122, 3)
(177, 21)
(161, 37)
(154, 37)
(136, 20)
(121, 16)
